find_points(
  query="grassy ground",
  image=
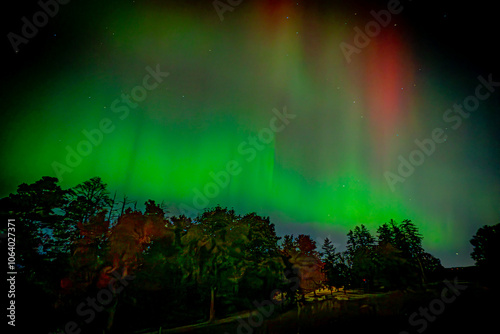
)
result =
(359, 312)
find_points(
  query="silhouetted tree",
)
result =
(288, 247)
(39, 208)
(265, 264)
(129, 240)
(336, 270)
(329, 257)
(410, 240)
(153, 209)
(89, 250)
(360, 239)
(433, 268)
(86, 199)
(405, 253)
(328, 254)
(42, 243)
(392, 270)
(360, 256)
(486, 249)
(213, 251)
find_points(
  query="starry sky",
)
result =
(311, 112)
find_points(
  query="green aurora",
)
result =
(322, 173)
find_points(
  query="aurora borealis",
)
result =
(218, 117)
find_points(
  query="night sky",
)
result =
(265, 110)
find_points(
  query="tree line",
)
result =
(73, 242)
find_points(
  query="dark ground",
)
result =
(475, 309)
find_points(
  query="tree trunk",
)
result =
(212, 304)
(111, 208)
(422, 270)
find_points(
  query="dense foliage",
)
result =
(486, 250)
(176, 270)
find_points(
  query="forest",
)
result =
(89, 263)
